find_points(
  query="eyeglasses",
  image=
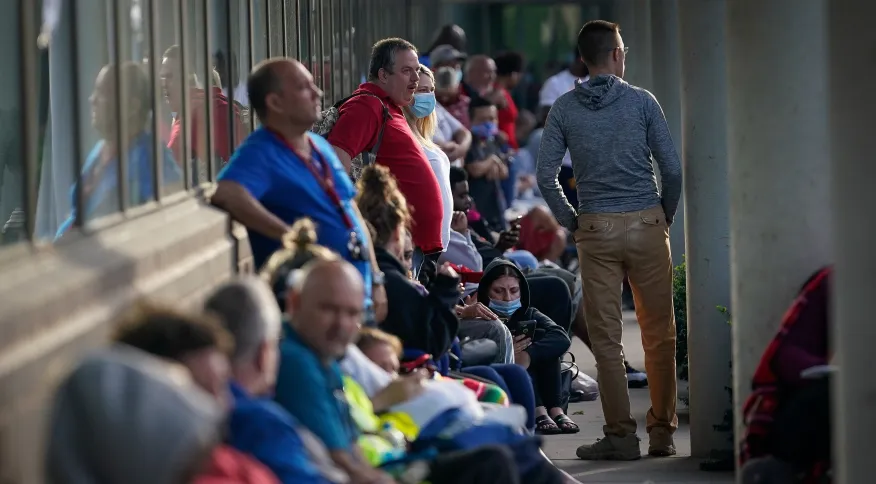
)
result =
(625, 49)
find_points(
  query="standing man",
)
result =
(621, 227)
(393, 77)
(283, 172)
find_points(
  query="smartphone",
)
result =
(524, 328)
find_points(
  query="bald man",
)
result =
(325, 304)
(283, 172)
(326, 307)
(479, 80)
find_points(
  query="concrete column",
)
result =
(667, 88)
(634, 17)
(852, 104)
(707, 221)
(779, 166)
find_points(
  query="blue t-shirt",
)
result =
(313, 392)
(285, 186)
(103, 198)
(261, 428)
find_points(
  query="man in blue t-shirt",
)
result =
(282, 173)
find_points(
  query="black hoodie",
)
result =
(554, 341)
(425, 322)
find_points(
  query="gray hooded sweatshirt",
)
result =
(125, 417)
(611, 129)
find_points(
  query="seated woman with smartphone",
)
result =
(539, 343)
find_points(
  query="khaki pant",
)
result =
(611, 245)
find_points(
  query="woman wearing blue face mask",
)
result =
(423, 121)
(506, 292)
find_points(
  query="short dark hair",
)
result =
(596, 40)
(508, 63)
(171, 334)
(478, 102)
(263, 80)
(457, 175)
(383, 55)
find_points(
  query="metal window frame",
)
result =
(121, 97)
(208, 96)
(284, 28)
(29, 115)
(182, 23)
(157, 97)
(250, 18)
(229, 61)
(269, 50)
(298, 29)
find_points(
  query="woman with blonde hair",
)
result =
(423, 121)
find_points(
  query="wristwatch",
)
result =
(377, 278)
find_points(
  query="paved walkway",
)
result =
(588, 415)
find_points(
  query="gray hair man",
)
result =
(372, 121)
(258, 425)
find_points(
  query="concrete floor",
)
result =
(588, 415)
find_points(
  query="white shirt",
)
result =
(363, 371)
(552, 89)
(441, 166)
(447, 126)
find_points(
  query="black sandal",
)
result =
(566, 424)
(544, 425)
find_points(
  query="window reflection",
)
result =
(120, 106)
(128, 139)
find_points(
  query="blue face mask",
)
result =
(423, 105)
(485, 130)
(505, 308)
(458, 76)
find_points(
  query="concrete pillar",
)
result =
(666, 86)
(707, 221)
(852, 104)
(779, 166)
(634, 17)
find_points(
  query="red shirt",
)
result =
(508, 119)
(221, 144)
(227, 465)
(356, 131)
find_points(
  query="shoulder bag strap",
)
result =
(386, 117)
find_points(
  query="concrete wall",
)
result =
(58, 302)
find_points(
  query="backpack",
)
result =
(330, 116)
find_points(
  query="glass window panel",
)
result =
(276, 23)
(223, 143)
(260, 30)
(12, 216)
(240, 64)
(172, 125)
(292, 32)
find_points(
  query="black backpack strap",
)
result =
(386, 117)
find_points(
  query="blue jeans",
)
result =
(513, 380)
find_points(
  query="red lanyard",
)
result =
(325, 179)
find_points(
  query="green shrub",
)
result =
(679, 299)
